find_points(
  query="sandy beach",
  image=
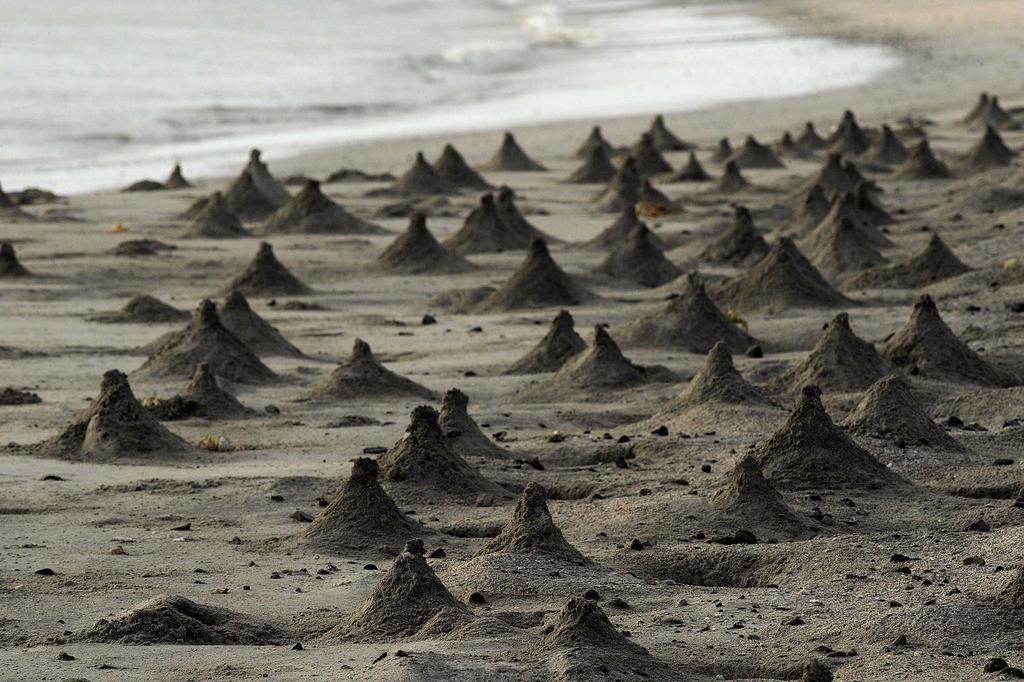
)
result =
(801, 463)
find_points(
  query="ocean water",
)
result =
(98, 93)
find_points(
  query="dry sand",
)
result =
(878, 580)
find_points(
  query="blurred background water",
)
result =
(98, 93)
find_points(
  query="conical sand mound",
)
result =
(419, 181)
(10, 267)
(745, 494)
(753, 154)
(719, 383)
(253, 330)
(207, 340)
(846, 207)
(423, 459)
(833, 177)
(265, 181)
(464, 437)
(417, 252)
(602, 366)
(689, 321)
(889, 410)
(926, 344)
(732, 180)
(246, 197)
(114, 427)
(869, 209)
(538, 283)
(652, 201)
(809, 451)
(787, 146)
(312, 212)
(977, 111)
(408, 597)
(214, 221)
(664, 139)
(649, 161)
(214, 402)
(988, 112)
(810, 138)
(691, 171)
(532, 531)
(10, 211)
(453, 168)
(596, 168)
(887, 149)
(364, 377)
(618, 232)
(594, 140)
(989, 152)
(176, 180)
(849, 137)
(511, 157)
(639, 259)
(839, 248)
(922, 165)
(513, 218)
(143, 309)
(360, 516)
(558, 345)
(723, 150)
(623, 190)
(781, 280)
(839, 362)
(740, 245)
(266, 276)
(484, 232)
(936, 262)
(173, 619)
(813, 208)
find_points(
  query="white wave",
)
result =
(545, 26)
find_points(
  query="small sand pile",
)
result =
(10, 266)
(810, 138)
(214, 221)
(531, 530)
(266, 276)
(253, 195)
(746, 496)
(781, 280)
(664, 139)
(989, 152)
(639, 259)
(865, 220)
(583, 645)
(936, 262)
(417, 252)
(558, 345)
(839, 248)
(740, 245)
(890, 411)
(987, 112)
(142, 309)
(460, 430)
(408, 597)
(207, 340)
(176, 180)
(602, 366)
(453, 168)
(265, 181)
(691, 171)
(11, 396)
(312, 212)
(689, 321)
(114, 427)
(364, 377)
(652, 201)
(649, 161)
(511, 157)
(142, 247)
(483, 231)
(10, 211)
(718, 382)
(809, 451)
(423, 459)
(596, 167)
(420, 180)
(849, 137)
(928, 347)
(173, 619)
(732, 180)
(145, 186)
(594, 140)
(537, 283)
(513, 218)
(753, 154)
(618, 231)
(839, 362)
(922, 165)
(833, 177)
(869, 209)
(622, 191)
(723, 150)
(253, 330)
(360, 516)
(213, 401)
(813, 209)
(787, 146)
(887, 149)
